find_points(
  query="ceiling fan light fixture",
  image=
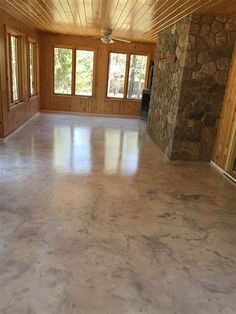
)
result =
(106, 40)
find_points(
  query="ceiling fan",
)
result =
(107, 38)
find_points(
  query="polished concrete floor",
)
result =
(95, 220)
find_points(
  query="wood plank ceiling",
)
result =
(138, 20)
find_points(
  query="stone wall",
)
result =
(169, 66)
(191, 71)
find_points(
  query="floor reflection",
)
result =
(74, 151)
(121, 151)
(81, 150)
(130, 152)
(112, 150)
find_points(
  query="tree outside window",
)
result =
(121, 84)
(14, 61)
(62, 71)
(32, 64)
(137, 74)
(116, 78)
(84, 73)
(81, 83)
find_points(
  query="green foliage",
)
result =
(84, 72)
(62, 70)
(137, 74)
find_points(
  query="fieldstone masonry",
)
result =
(191, 70)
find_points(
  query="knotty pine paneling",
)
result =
(12, 118)
(1, 111)
(137, 20)
(227, 124)
(99, 103)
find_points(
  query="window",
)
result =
(137, 73)
(14, 69)
(73, 71)
(22, 66)
(116, 77)
(62, 71)
(32, 64)
(84, 73)
(127, 75)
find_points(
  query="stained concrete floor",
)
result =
(94, 220)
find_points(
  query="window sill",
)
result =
(122, 99)
(14, 105)
(33, 96)
(76, 96)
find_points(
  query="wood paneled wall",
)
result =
(99, 102)
(12, 118)
(1, 111)
(227, 124)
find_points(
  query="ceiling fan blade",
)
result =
(122, 40)
(92, 37)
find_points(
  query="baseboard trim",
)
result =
(5, 139)
(92, 114)
(223, 172)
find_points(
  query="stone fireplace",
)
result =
(191, 69)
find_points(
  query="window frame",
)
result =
(127, 71)
(108, 71)
(146, 73)
(93, 71)
(10, 32)
(73, 81)
(72, 70)
(36, 66)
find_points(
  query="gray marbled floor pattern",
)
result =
(94, 220)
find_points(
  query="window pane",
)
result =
(32, 69)
(14, 68)
(116, 79)
(62, 70)
(137, 73)
(84, 73)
